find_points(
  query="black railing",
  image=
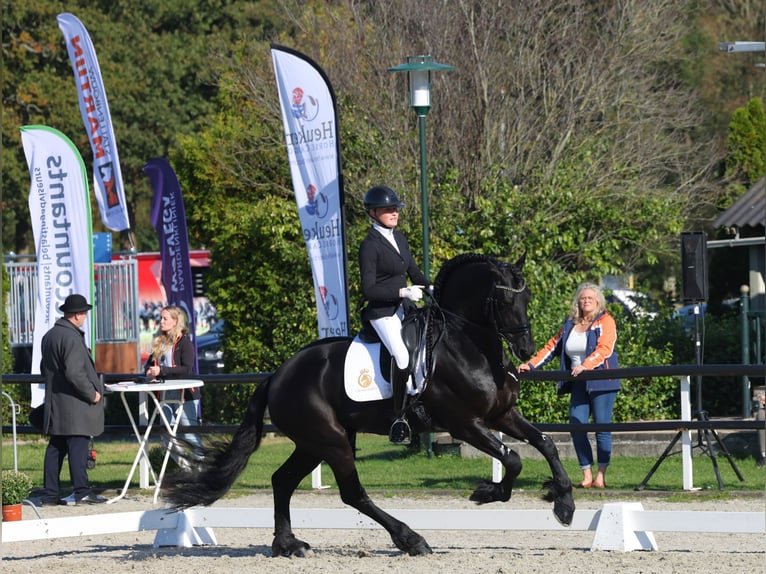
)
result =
(735, 370)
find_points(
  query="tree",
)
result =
(157, 70)
(746, 154)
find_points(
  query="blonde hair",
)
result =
(163, 342)
(574, 312)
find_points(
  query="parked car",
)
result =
(686, 313)
(632, 302)
(209, 352)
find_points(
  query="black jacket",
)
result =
(71, 383)
(182, 367)
(384, 272)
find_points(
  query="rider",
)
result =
(385, 262)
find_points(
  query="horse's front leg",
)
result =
(341, 461)
(487, 442)
(559, 488)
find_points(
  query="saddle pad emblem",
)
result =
(365, 378)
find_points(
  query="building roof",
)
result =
(748, 210)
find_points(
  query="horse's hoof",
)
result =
(486, 492)
(420, 549)
(293, 547)
(412, 543)
(564, 512)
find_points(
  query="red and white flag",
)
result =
(94, 109)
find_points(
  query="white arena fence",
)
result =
(618, 526)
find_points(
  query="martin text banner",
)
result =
(94, 109)
(309, 119)
(169, 219)
(59, 205)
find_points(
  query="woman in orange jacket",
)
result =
(586, 341)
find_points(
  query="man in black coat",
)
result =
(74, 411)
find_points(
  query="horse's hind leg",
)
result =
(284, 482)
(560, 486)
(341, 461)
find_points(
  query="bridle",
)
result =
(506, 331)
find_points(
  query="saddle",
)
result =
(413, 335)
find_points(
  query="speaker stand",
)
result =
(700, 415)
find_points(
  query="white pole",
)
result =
(497, 467)
(686, 436)
(143, 419)
(316, 478)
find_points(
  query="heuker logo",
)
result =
(330, 303)
(316, 204)
(304, 108)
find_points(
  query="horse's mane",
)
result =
(456, 262)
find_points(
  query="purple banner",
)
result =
(169, 219)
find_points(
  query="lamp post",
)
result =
(419, 70)
(731, 48)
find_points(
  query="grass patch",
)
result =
(388, 469)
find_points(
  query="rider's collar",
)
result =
(387, 232)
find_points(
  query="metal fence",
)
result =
(21, 302)
(116, 301)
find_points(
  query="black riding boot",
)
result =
(400, 430)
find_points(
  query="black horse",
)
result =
(472, 390)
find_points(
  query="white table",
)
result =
(175, 402)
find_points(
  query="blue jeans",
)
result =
(188, 417)
(583, 405)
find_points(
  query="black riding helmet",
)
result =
(381, 196)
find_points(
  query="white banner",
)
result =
(309, 120)
(59, 205)
(94, 109)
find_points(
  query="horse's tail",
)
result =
(219, 463)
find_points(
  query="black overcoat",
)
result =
(71, 383)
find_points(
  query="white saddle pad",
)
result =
(363, 378)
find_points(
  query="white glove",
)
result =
(413, 292)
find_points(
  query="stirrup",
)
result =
(400, 432)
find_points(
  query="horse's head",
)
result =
(508, 308)
(490, 293)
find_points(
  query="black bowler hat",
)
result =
(75, 304)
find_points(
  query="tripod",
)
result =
(700, 415)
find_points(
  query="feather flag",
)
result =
(94, 109)
(311, 135)
(169, 219)
(59, 204)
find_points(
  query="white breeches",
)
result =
(389, 329)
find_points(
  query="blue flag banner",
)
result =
(94, 110)
(311, 136)
(169, 219)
